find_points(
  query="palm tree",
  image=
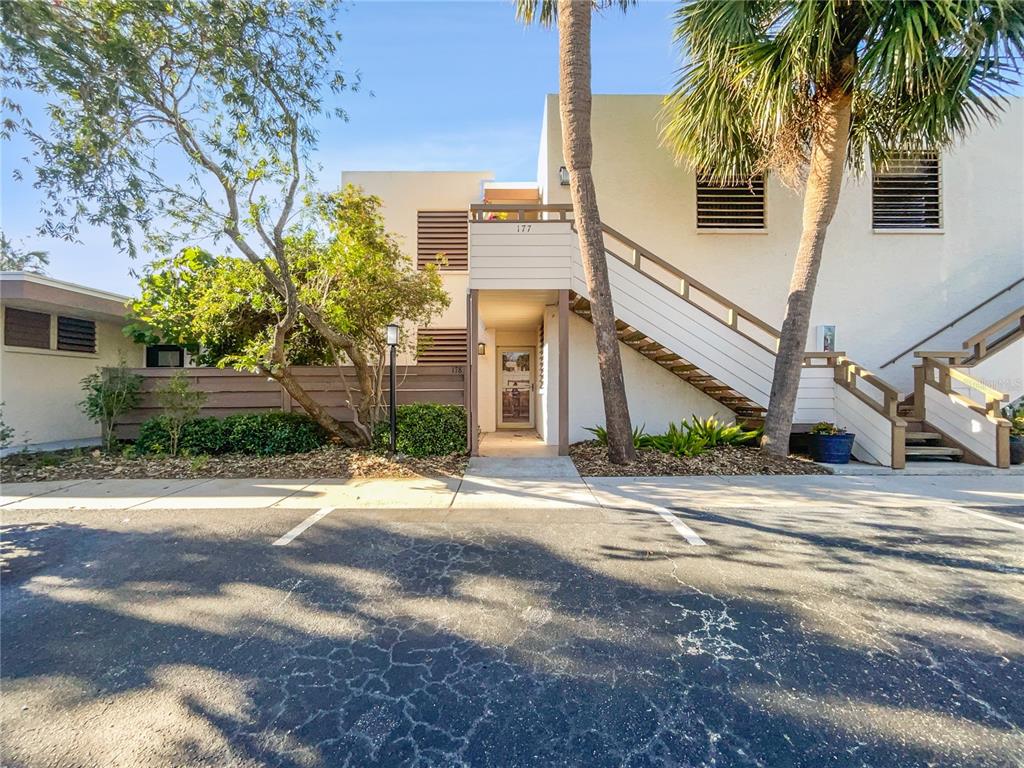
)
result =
(574, 103)
(808, 88)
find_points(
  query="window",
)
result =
(165, 356)
(443, 232)
(26, 329)
(906, 192)
(441, 346)
(76, 335)
(730, 205)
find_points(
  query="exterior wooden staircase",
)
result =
(747, 411)
(923, 443)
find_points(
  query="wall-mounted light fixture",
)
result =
(563, 176)
(481, 349)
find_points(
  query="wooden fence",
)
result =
(229, 391)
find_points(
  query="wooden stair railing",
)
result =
(933, 372)
(747, 411)
(852, 377)
(692, 291)
(916, 345)
(1000, 334)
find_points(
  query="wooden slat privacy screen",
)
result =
(731, 205)
(441, 346)
(444, 232)
(906, 192)
(229, 391)
(23, 328)
(76, 335)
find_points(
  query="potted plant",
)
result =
(830, 444)
(1016, 417)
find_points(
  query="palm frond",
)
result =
(746, 97)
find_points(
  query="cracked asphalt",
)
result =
(563, 637)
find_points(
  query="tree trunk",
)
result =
(824, 181)
(318, 413)
(574, 102)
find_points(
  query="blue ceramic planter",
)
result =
(832, 449)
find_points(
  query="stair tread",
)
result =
(932, 450)
(923, 435)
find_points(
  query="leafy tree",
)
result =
(574, 102)
(181, 404)
(110, 393)
(351, 272)
(16, 260)
(182, 120)
(807, 88)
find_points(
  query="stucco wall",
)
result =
(41, 388)
(656, 396)
(403, 194)
(882, 291)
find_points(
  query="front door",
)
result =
(515, 387)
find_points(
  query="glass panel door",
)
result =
(515, 387)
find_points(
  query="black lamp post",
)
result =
(393, 335)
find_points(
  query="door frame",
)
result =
(531, 423)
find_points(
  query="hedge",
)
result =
(262, 434)
(425, 429)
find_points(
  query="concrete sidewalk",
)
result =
(512, 484)
(419, 492)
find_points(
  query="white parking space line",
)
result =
(298, 529)
(681, 528)
(993, 518)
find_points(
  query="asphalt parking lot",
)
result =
(576, 637)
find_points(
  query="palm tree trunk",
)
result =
(824, 181)
(574, 103)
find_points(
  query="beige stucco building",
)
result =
(922, 255)
(53, 334)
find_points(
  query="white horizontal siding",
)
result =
(501, 257)
(702, 340)
(964, 425)
(815, 397)
(873, 431)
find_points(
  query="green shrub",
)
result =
(204, 437)
(109, 394)
(680, 441)
(6, 430)
(181, 404)
(715, 433)
(198, 437)
(153, 436)
(262, 434)
(687, 439)
(267, 434)
(640, 437)
(425, 429)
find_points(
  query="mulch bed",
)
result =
(591, 460)
(327, 462)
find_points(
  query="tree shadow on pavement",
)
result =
(371, 643)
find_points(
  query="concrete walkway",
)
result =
(513, 484)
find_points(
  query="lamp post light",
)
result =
(393, 337)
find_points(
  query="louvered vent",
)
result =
(906, 192)
(75, 335)
(730, 205)
(443, 232)
(23, 328)
(441, 346)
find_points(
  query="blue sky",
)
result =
(446, 86)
